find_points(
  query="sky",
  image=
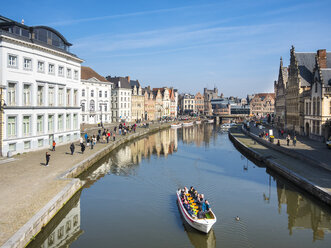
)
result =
(234, 45)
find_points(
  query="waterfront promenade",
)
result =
(310, 177)
(27, 186)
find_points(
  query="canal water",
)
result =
(129, 199)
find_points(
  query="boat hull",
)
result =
(187, 124)
(202, 225)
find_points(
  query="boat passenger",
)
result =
(191, 191)
(185, 190)
(195, 195)
(200, 214)
(207, 206)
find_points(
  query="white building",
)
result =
(41, 81)
(95, 98)
(121, 98)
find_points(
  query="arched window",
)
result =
(314, 106)
(318, 106)
(83, 106)
(83, 92)
(92, 105)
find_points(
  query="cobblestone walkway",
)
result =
(26, 185)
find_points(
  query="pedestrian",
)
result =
(288, 138)
(86, 136)
(282, 133)
(72, 148)
(278, 143)
(94, 139)
(98, 138)
(81, 140)
(91, 143)
(54, 144)
(82, 148)
(47, 158)
(108, 136)
(294, 140)
(113, 136)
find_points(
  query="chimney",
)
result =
(321, 54)
(128, 78)
(119, 84)
(23, 21)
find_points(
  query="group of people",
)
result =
(195, 204)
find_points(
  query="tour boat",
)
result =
(210, 121)
(176, 125)
(203, 225)
(187, 124)
(226, 126)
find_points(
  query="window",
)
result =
(60, 122)
(83, 106)
(26, 125)
(26, 95)
(61, 71)
(61, 139)
(68, 97)
(60, 233)
(27, 145)
(11, 94)
(100, 93)
(68, 137)
(40, 100)
(106, 93)
(27, 64)
(68, 73)
(318, 106)
(11, 126)
(12, 147)
(40, 124)
(75, 121)
(41, 66)
(92, 105)
(51, 69)
(68, 122)
(50, 123)
(100, 107)
(40, 143)
(61, 97)
(51, 95)
(76, 74)
(75, 97)
(105, 107)
(83, 92)
(12, 61)
(92, 93)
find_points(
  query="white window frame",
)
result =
(27, 96)
(27, 68)
(12, 128)
(51, 72)
(39, 68)
(11, 95)
(12, 60)
(75, 74)
(40, 99)
(26, 126)
(59, 71)
(40, 124)
(69, 72)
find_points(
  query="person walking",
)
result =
(47, 158)
(82, 148)
(114, 137)
(81, 140)
(72, 148)
(108, 136)
(86, 137)
(294, 140)
(54, 144)
(288, 138)
(91, 143)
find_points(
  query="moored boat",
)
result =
(210, 120)
(226, 126)
(198, 122)
(176, 125)
(203, 225)
(188, 124)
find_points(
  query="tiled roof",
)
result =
(306, 64)
(88, 73)
(134, 83)
(124, 83)
(326, 74)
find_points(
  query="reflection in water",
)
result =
(63, 229)
(229, 184)
(302, 212)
